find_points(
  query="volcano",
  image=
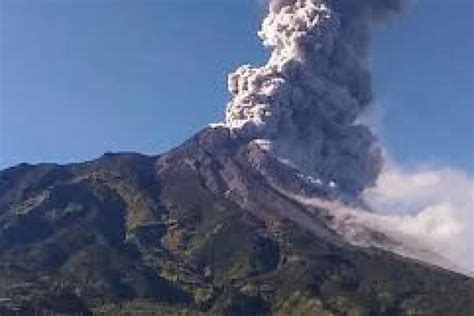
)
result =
(262, 214)
(209, 228)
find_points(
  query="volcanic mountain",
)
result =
(208, 228)
(249, 216)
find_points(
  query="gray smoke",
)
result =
(307, 99)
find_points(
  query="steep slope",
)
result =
(201, 229)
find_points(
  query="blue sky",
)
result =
(82, 77)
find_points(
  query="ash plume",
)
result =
(408, 208)
(306, 105)
(307, 98)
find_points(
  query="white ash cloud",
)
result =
(432, 206)
(317, 82)
(426, 214)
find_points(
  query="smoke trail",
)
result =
(425, 214)
(432, 206)
(317, 82)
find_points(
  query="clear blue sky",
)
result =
(82, 77)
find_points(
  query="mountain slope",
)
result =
(201, 229)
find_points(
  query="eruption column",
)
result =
(306, 100)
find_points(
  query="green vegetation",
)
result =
(121, 235)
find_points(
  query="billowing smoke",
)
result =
(306, 100)
(427, 214)
(432, 206)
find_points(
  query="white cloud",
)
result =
(426, 214)
(434, 207)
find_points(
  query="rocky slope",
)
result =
(203, 229)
